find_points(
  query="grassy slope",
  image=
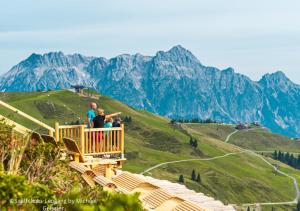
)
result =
(218, 131)
(262, 139)
(150, 140)
(259, 139)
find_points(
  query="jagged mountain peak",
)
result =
(276, 76)
(57, 59)
(178, 48)
(228, 70)
(54, 54)
(277, 80)
(177, 53)
(172, 83)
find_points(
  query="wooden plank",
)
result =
(57, 132)
(71, 134)
(101, 143)
(70, 126)
(94, 143)
(102, 153)
(110, 140)
(82, 139)
(90, 141)
(119, 141)
(122, 140)
(97, 141)
(86, 142)
(60, 134)
(17, 127)
(104, 142)
(114, 139)
(27, 116)
(103, 129)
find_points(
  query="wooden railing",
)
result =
(93, 141)
(90, 141)
(21, 113)
(68, 131)
(16, 127)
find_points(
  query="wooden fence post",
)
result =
(122, 141)
(51, 133)
(57, 132)
(81, 138)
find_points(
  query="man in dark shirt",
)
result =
(99, 120)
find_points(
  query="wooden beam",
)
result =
(81, 138)
(122, 141)
(27, 116)
(57, 132)
(17, 127)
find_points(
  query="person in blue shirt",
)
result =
(108, 123)
(91, 114)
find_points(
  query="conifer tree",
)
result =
(291, 160)
(279, 157)
(275, 155)
(181, 179)
(198, 178)
(193, 175)
(286, 157)
(195, 143)
(191, 141)
(298, 162)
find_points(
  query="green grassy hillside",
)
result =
(217, 131)
(263, 139)
(150, 140)
(258, 139)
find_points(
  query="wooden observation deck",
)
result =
(98, 153)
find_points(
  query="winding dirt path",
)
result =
(228, 137)
(255, 153)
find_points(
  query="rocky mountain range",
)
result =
(172, 83)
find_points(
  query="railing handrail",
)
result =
(17, 127)
(69, 126)
(101, 129)
(27, 116)
(88, 129)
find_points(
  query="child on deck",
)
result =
(108, 123)
(117, 122)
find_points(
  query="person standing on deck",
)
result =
(116, 122)
(91, 114)
(99, 120)
(108, 123)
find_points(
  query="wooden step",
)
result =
(104, 182)
(188, 206)
(156, 198)
(127, 181)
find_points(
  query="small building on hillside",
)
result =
(241, 126)
(78, 88)
(256, 124)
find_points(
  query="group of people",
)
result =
(96, 118)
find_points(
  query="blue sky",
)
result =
(254, 37)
